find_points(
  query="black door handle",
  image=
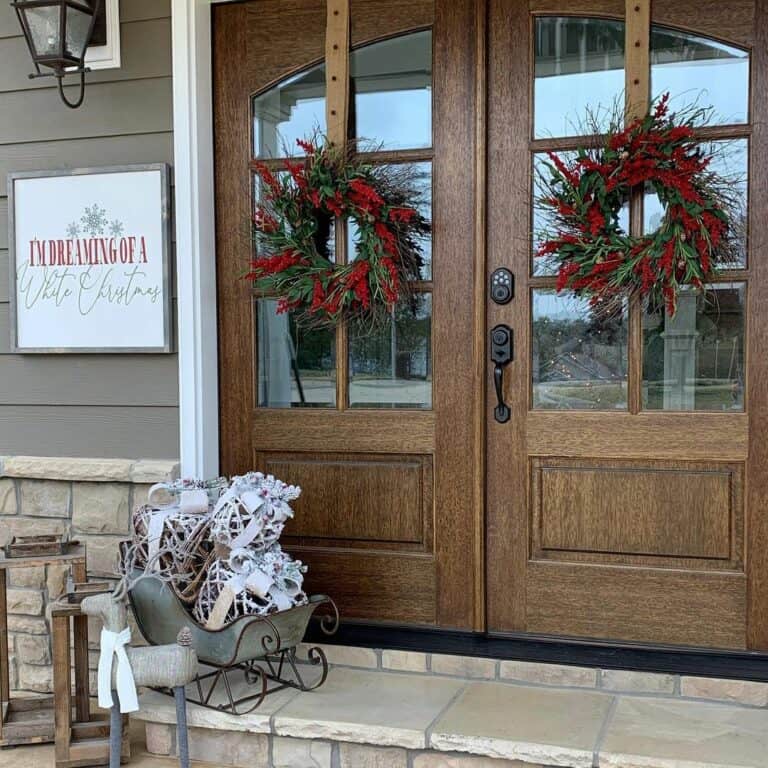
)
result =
(502, 353)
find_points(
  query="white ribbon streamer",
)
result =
(113, 644)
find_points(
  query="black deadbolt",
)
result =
(501, 345)
(502, 286)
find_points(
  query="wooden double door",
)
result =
(623, 499)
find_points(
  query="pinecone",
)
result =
(184, 638)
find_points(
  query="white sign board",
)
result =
(89, 260)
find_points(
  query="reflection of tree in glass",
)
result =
(314, 347)
(407, 340)
(584, 348)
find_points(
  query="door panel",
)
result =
(374, 428)
(617, 492)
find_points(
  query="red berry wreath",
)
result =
(583, 197)
(294, 226)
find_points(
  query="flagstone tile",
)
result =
(369, 707)
(672, 734)
(536, 725)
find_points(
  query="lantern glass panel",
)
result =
(78, 27)
(45, 29)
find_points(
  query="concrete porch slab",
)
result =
(370, 707)
(442, 721)
(522, 723)
(676, 734)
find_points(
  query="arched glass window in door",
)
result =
(391, 113)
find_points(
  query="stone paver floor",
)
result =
(540, 725)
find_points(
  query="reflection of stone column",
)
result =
(275, 352)
(680, 362)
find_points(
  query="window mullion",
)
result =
(342, 329)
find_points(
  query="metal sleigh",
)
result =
(263, 649)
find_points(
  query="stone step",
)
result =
(379, 719)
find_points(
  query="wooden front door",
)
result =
(626, 495)
(380, 431)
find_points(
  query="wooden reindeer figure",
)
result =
(122, 669)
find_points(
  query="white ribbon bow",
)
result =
(113, 644)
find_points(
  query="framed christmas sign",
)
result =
(90, 260)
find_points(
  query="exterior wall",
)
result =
(91, 501)
(87, 405)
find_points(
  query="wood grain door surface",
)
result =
(626, 500)
(388, 516)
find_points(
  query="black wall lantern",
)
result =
(58, 33)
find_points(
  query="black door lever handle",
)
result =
(502, 353)
(501, 411)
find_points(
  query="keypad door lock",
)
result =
(502, 286)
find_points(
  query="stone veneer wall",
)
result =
(91, 500)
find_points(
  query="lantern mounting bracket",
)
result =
(58, 33)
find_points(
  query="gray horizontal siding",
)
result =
(130, 10)
(86, 380)
(146, 54)
(139, 106)
(109, 432)
(87, 405)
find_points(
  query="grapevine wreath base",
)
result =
(583, 196)
(294, 224)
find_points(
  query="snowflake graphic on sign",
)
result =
(116, 228)
(94, 220)
(73, 230)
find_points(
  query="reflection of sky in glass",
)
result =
(561, 102)
(579, 68)
(392, 90)
(395, 119)
(392, 83)
(700, 71)
(292, 110)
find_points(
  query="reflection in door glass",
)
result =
(729, 160)
(542, 226)
(289, 111)
(579, 66)
(420, 176)
(297, 366)
(391, 366)
(392, 87)
(579, 358)
(705, 72)
(694, 361)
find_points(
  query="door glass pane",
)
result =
(420, 175)
(730, 160)
(579, 358)
(579, 67)
(694, 361)
(327, 225)
(296, 366)
(289, 111)
(391, 366)
(392, 87)
(697, 70)
(541, 227)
